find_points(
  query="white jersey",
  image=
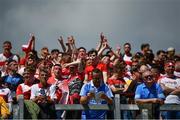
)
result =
(127, 59)
(4, 59)
(6, 94)
(169, 82)
(37, 90)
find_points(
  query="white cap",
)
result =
(170, 49)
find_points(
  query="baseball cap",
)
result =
(170, 49)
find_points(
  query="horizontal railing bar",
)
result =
(129, 107)
(170, 107)
(84, 107)
(165, 107)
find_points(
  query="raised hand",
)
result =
(70, 40)
(105, 45)
(60, 39)
(102, 37)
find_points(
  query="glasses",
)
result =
(148, 77)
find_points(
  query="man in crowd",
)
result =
(44, 95)
(127, 56)
(7, 55)
(92, 54)
(149, 91)
(29, 80)
(170, 53)
(44, 53)
(160, 59)
(13, 79)
(177, 69)
(54, 56)
(145, 47)
(96, 92)
(170, 85)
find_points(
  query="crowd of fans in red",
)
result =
(55, 76)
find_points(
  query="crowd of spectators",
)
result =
(77, 76)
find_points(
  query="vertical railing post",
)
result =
(117, 111)
(147, 111)
(21, 106)
(144, 113)
(15, 109)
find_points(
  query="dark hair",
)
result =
(30, 69)
(160, 51)
(43, 70)
(106, 55)
(81, 48)
(109, 51)
(149, 56)
(96, 70)
(119, 67)
(7, 42)
(54, 50)
(144, 45)
(155, 68)
(34, 54)
(57, 65)
(134, 69)
(127, 44)
(10, 61)
(92, 51)
(138, 55)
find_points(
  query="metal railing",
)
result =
(146, 109)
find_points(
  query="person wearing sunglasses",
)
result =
(149, 92)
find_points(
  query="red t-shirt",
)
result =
(116, 82)
(89, 69)
(65, 73)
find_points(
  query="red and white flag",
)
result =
(30, 46)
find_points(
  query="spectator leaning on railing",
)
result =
(96, 92)
(149, 91)
(171, 87)
(44, 95)
(76, 63)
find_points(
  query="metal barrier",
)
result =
(18, 110)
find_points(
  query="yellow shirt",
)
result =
(4, 111)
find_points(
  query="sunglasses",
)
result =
(148, 77)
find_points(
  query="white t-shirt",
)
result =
(4, 58)
(169, 82)
(37, 90)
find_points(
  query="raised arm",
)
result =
(71, 42)
(61, 41)
(101, 41)
(116, 54)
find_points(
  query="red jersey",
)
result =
(116, 82)
(89, 69)
(24, 89)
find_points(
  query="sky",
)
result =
(156, 22)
